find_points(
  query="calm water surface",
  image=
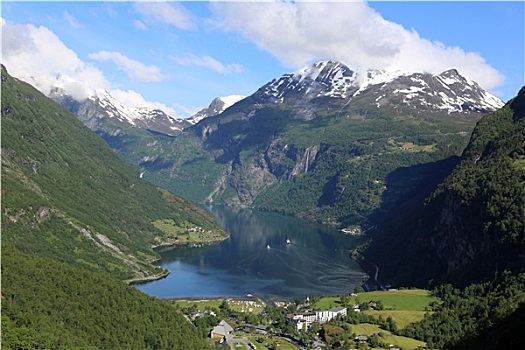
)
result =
(257, 260)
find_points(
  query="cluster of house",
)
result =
(197, 229)
(305, 319)
(247, 305)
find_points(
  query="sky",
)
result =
(179, 56)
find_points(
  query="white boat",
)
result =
(288, 241)
(268, 246)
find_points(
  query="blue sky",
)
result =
(181, 55)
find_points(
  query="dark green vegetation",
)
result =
(473, 225)
(67, 196)
(481, 316)
(51, 305)
(489, 315)
(471, 232)
(76, 221)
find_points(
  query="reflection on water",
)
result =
(256, 259)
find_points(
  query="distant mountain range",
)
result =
(102, 111)
(322, 143)
(448, 91)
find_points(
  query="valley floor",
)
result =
(371, 320)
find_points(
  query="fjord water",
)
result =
(257, 260)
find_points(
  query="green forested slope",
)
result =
(66, 195)
(51, 305)
(473, 225)
(76, 221)
(481, 316)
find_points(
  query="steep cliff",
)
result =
(473, 225)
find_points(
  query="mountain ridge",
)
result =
(336, 80)
(327, 78)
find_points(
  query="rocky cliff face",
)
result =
(286, 161)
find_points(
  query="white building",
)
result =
(307, 318)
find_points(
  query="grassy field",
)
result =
(385, 336)
(406, 299)
(404, 306)
(201, 304)
(402, 318)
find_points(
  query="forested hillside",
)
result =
(76, 221)
(51, 305)
(68, 196)
(487, 315)
(473, 225)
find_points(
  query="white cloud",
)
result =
(71, 20)
(139, 25)
(172, 13)
(298, 33)
(134, 69)
(208, 62)
(38, 56)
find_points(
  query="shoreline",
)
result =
(192, 244)
(165, 247)
(140, 280)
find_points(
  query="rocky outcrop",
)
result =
(286, 161)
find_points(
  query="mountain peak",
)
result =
(448, 91)
(324, 78)
(450, 72)
(217, 106)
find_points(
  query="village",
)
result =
(349, 321)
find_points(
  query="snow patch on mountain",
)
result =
(448, 91)
(217, 106)
(230, 100)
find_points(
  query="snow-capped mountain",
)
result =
(141, 117)
(321, 84)
(102, 108)
(448, 91)
(325, 78)
(217, 106)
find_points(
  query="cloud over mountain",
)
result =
(38, 56)
(298, 33)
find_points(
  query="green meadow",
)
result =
(386, 336)
(404, 306)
